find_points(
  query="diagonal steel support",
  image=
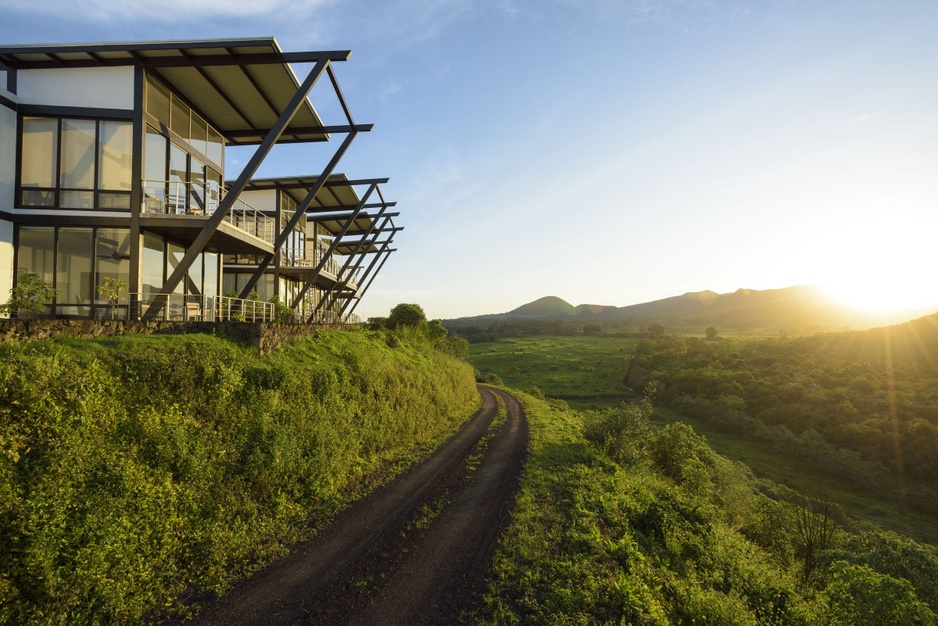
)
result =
(361, 293)
(335, 244)
(302, 208)
(202, 239)
(367, 273)
(341, 280)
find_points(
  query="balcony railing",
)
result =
(162, 197)
(197, 308)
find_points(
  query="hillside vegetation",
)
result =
(862, 404)
(138, 471)
(618, 522)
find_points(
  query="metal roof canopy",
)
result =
(361, 226)
(239, 85)
(337, 194)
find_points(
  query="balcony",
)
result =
(189, 199)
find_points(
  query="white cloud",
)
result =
(165, 10)
(866, 117)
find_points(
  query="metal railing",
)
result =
(199, 308)
(166, 197)
(311, 257)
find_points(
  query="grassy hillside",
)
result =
(618, 522)
(136, 471)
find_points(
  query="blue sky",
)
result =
(605, 151)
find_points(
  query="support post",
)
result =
(335, 243)
(302, 208)
(340, 280)
(250, 168)
(361, 294)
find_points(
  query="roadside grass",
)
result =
(881, 509)
(561, 367)
(661, 530)
(137, 471)
(572, 368)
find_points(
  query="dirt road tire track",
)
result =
(416, 551)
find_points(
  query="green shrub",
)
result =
(135, 469)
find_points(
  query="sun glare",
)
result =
(879, 265)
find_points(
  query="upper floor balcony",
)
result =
(195, 202)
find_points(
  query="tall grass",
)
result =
(620, 523)
(137, 471)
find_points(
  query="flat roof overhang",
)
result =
(183, 229)
(239, 85)
(337, 195)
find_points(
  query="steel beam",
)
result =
(300, 211)
(335, 243)
(367, 273)
(202, 239)
(340, 279)
(361, 292)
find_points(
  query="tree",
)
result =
(815, 526)
(31, 294)
(711, 333)
(110, 289)
(656, 331)
(593, 328)
(406, 315)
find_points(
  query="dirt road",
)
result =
(414, 552)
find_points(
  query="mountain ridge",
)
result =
(801, 308)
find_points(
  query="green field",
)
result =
(571, 368)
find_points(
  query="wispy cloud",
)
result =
(163, 10)
(866, 117)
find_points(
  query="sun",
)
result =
(880, 265)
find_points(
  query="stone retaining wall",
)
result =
(264, 337)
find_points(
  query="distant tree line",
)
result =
(851, 409)
(483, 333)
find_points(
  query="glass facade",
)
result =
(77, 260)
(187, 126)
(73, 271)
(76, 163)
(153, 264)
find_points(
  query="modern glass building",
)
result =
(112, 166)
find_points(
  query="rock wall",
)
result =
(264, 337)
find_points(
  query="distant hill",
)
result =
(800, 310)
(543, 308)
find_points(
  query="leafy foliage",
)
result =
(31, 294)
(850, 407)
(405, 314)
(110, 289)
(136, 469)
(619, 522)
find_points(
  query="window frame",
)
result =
(57, 191)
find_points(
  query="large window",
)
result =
(177, 183)
(76, 261)
(76, 163)
(73, 271)
(170, 111)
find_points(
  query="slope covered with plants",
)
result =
(138, 471)
(863, 405)
(619, 522)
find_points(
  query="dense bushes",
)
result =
(618, 522)
(133, 470)
(822, 396)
